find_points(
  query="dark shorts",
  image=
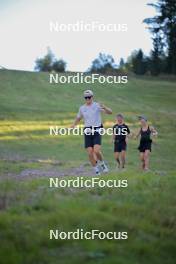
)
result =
(143, 146)
(120, 146)
(91, 140)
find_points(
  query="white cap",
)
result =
(142, 117)
(88, 93)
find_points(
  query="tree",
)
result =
(122, 63)
(49, 63)
(59, 65)
(155, 65)
(164, 26)
(138, 62)
(45, 63)
(103, 64)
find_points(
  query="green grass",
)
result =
(146, 210)
(29, 208)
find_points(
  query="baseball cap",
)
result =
(142, 117)
(88, 93)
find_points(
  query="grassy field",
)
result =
(29, 208)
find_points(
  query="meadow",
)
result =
(29, 105)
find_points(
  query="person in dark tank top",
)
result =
(121, 133)
(145, 145)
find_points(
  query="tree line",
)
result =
(162, 58)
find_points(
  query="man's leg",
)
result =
(95, 157)
(146, 159)
(142, 160)
(91, 156)
(97, 151)
(92, 159)
(123, 158)
(117, 156)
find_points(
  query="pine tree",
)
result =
(138, 63)
(155, 65)
(164, 25)
(122, 63)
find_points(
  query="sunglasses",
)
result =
(88, 97)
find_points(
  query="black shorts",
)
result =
(91, 140)
(120, 146)
(145, 146)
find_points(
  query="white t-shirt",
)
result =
(91, 114)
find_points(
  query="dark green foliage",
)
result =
(49, 63)
(138, 62)
(103, 64)
(163, 27)
(154, 64)
(59, 66)
(122, 63)
(45, 64)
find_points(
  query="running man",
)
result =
(120, 138)
(91, 113)
(145, 144)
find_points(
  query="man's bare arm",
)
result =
(75, 123)
(106, 109)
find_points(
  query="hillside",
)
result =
(29, 156)
(29, 105)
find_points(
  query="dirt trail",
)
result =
(36, 173)
(52, 171)
(56, 169)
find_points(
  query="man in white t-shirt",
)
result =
(90, 112)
